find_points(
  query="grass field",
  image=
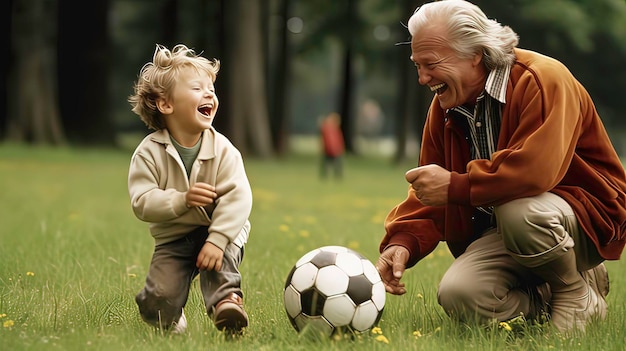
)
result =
(73, 256)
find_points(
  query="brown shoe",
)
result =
(577, 297)
(229, 315)
(598, 279)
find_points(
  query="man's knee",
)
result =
(530, 226)
(513, 220)
(458, 296)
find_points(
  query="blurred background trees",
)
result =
(71, 64)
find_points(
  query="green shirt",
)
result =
(187, 154)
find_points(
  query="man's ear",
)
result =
(478, 57)
(164, 106)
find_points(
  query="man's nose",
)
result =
(423, 76)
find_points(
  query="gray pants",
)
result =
(486, 282)
(173, 268)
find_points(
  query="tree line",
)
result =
(71, 64)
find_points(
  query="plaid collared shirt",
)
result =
(483, 124)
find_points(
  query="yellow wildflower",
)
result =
(354, 245)
(382, 338)
(377, 330)
(283, 228)
(377, 219)
(8, 323)
(505, 326)
(417, 334)
(305, 233)
(30, 274)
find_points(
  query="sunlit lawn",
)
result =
(72, 257)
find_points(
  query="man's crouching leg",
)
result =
(485, 284)
(541, 233)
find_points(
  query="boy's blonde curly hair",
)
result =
(157, 80)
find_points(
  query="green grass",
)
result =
(73, 257)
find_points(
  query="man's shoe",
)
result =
(594, 302)
(577, 297)
(229, 315)
(598, 280)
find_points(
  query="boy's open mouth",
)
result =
(205, 110)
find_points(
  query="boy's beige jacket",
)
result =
(157, 182)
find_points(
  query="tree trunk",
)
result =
(247, 94)
(412, 101)
(347, 93)
(5, 23)
(218, 43)
(33, 109)
(280, 68)
(404, 96)
(84, 66)
(168, 32)
(346, 99)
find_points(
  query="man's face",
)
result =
(455, 80)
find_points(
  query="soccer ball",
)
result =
(333, 289)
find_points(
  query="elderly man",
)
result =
(516, 174)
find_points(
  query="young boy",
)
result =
(332, 145)
(188, 181)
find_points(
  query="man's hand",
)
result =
(200, 194)
(210, 257)
(391, 265)
(431, 183)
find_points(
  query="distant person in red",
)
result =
(332, 144)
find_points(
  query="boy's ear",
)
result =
(164, 106)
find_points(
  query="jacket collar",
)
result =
(495, 86)
(207, 149)
(496, 83)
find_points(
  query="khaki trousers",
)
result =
(173, 268)
(486, 282)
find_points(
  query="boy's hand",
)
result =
(210, 257)
(200, 194)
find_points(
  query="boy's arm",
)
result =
(234, 201)
(149, 202)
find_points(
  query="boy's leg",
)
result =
(222, 292)
(339, 167)
(485, 283)
(165, 293)
(324, 166)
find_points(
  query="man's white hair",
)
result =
(469, 31)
